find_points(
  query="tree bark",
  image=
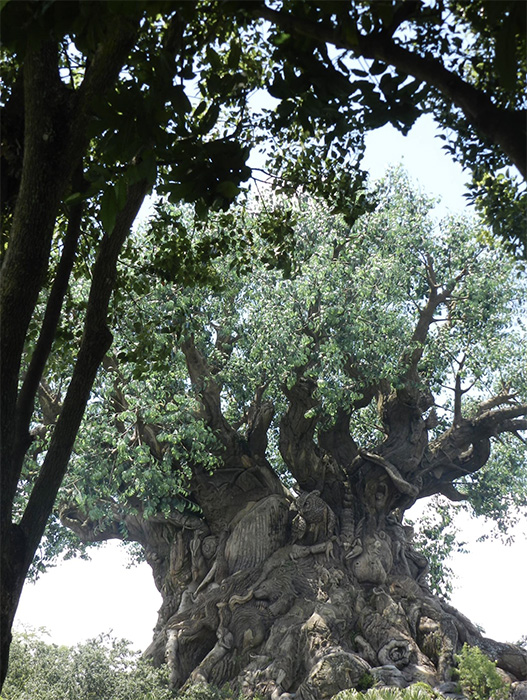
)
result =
(291, 598)
(55, 141)
(22, 539)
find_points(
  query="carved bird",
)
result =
(317, 514)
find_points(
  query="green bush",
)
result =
(478, 676)
(201, 691)
(103, 668)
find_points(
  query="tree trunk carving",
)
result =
(308, 590)
(294, 597)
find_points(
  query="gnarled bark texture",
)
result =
(282, 595)
(308, 593)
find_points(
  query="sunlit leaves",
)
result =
(499, 490)
(341, 311)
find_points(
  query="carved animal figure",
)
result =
(319, 518)
(257, 532)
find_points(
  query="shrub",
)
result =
(103, 668)
(417, 691)
(478, 676)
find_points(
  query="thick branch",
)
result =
(209, 392)
(102, 73)
(337, 440)
(55, 121)
(136, 527)
(402, 410)
(503, 397)
(26, 260)
(297, 430)
(500, 126)
(95, 342)
(466, 446)
(42, 349)
(258, 421)
(436, 297)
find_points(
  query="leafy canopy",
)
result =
(352, 301)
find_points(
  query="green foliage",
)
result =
(480, 46)
(478, 676)
(366, 682)
(416, 691)
(207, 692)
(503, 206)
(353, 295)
(103, 668)
(437, 538)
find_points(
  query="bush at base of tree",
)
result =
(417, 691)
(478, 677)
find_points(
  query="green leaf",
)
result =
(121, 192)
(74, 198)
(228, 189)
(180, 101)
(108, 210)
(209, 119)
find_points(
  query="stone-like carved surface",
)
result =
(315, 521)
(288, 599)
(287, 614)
(257, 532)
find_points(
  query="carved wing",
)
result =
(258, 533)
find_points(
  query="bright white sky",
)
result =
(78, 600)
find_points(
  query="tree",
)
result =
(262, 440)
(104, 101)
(388, 62)
(96, 103)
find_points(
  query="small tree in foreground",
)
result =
(262, 439)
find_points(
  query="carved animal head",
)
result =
(311, 506)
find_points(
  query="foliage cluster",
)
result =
(478, 676)
(437, 537)
(103, 668)
(417, 691)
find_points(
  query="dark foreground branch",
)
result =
(95, 343)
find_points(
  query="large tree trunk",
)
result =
(279, 594)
